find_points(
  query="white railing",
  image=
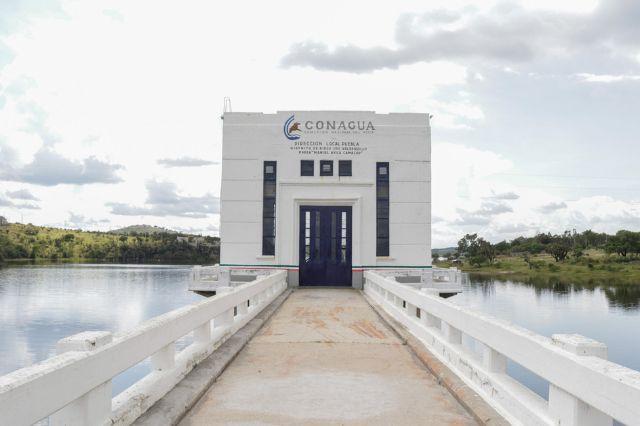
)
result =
(450, 275)
(207, 279)
(444, 280)
(205, 273)
(584, 388)
(74, 387)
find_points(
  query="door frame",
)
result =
(323, 207)
(355, 201)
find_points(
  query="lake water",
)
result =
(41, 304)
(609, 314)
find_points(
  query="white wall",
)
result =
(401, 139)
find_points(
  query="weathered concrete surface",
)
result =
(481, 411)
(173, 406)
(326, 357)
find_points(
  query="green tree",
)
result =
(476, 249)
(623, 243)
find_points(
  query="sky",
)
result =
(110, 109)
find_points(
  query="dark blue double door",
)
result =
(325, 245)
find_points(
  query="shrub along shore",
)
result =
(578, 257)
(595, 266)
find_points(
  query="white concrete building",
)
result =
(326, 194)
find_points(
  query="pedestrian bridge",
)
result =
(393, 353)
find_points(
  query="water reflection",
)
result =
(41, 304)
(622, 295)
(550, 305)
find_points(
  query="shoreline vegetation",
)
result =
(584, 258)
(20, 243)
(603, 269)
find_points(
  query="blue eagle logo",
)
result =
(289, 128)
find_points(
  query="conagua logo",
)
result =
(290, 128)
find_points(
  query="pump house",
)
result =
(326, 194)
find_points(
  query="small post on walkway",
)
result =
(429, 320)
(563, 406)
(165, 358)
(224, 276)
(196, 273)
(94, 407)
(411, 310)
(493, 360)
(426, 276)
(243, 308)
(202, 334)
(226, 318)
(451, 334)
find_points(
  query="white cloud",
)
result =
(164, 200)
(22, 194)
(185, 162)
(48, 168)
(481, 216)
(510, 195)
(507, 33)
(67, 100)
(471, 195)
(552, 206)
(80, 221)
(607, 78)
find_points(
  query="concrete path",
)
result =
(326, 358)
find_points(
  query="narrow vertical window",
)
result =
(269, 208)
(382, 209)
(344, 168)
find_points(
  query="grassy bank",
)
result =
(594, 266)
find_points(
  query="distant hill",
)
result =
(142, 229)
(149, 244)
(445, 250)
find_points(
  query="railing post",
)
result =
(451, 334)
(398, 301)
(94, 407)
(224, 276)
(493, 361)
(243, 308)
(165, 358)
(411, 310)
(196, 273)
(429, 320)
(202, 334)
(563, 406)
(225, 318)
(426, 276)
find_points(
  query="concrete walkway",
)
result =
(326, 358)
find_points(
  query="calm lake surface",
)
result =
(607, 313)
(41, 304)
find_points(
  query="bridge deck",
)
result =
(326, 357)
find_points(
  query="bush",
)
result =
(553, 268)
